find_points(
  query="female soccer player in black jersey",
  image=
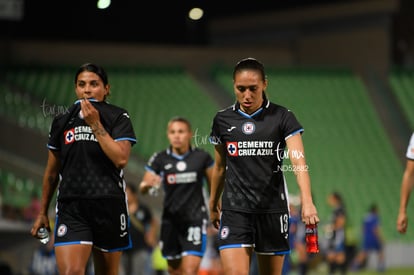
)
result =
(248, 199)
(183, 171)
(89, 145)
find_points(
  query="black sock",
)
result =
(343, 268)
(303, 268)
(332, 268)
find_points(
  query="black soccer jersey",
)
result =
(86, 172)
(255, 149)
(183, 182)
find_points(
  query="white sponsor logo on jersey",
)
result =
(168, 166)
(250, 148)
(181, 178)
(231, 128)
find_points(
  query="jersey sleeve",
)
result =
(215, 135)
(123, 129)
(154, 164)
(410, 149)
(209, 161)
(54, 142)
(290, 125)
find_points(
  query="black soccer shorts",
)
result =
(100, 222)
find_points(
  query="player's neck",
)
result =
(180, 151)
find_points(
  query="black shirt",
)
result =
(86, 172)
(255, 147)
(183, 182)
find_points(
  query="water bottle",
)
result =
(43, 234)
(312, 245)
(154, 190)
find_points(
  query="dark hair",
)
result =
(180, 119)
(90, 67)
(249, 63)
(338, 197)
(373, 208)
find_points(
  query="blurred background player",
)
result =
(144, 235)
(336, 254)
(372, 241)
(183, 171)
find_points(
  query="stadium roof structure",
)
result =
(157, 22)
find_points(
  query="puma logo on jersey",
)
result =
(123, 234)
(231, 128)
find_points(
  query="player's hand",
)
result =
(215, 216)
(152, 181)
(309, 214)
(89, 113)
(41, 221)
(402, 223)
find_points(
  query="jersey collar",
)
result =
(90, 99)
(179, 157)
(265, 105)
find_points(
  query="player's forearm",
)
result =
(303, 180)
(217, 185)
(149, 180)
(406, 188)
(117, 152)
(50, 182)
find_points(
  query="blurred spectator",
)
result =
(159, 263)
(299, 243)
(31, 211)
(372, 241)
(5, 269)
(211, 263)
(336, 256)
(294, 224)
(143, 231)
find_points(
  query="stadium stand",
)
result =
(20, 107)
(402, 83)
(16, 192)
(152, 96)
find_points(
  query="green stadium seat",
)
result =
(402, 83)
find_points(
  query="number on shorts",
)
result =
(194, 234)
(123, 221)
(284, 223)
